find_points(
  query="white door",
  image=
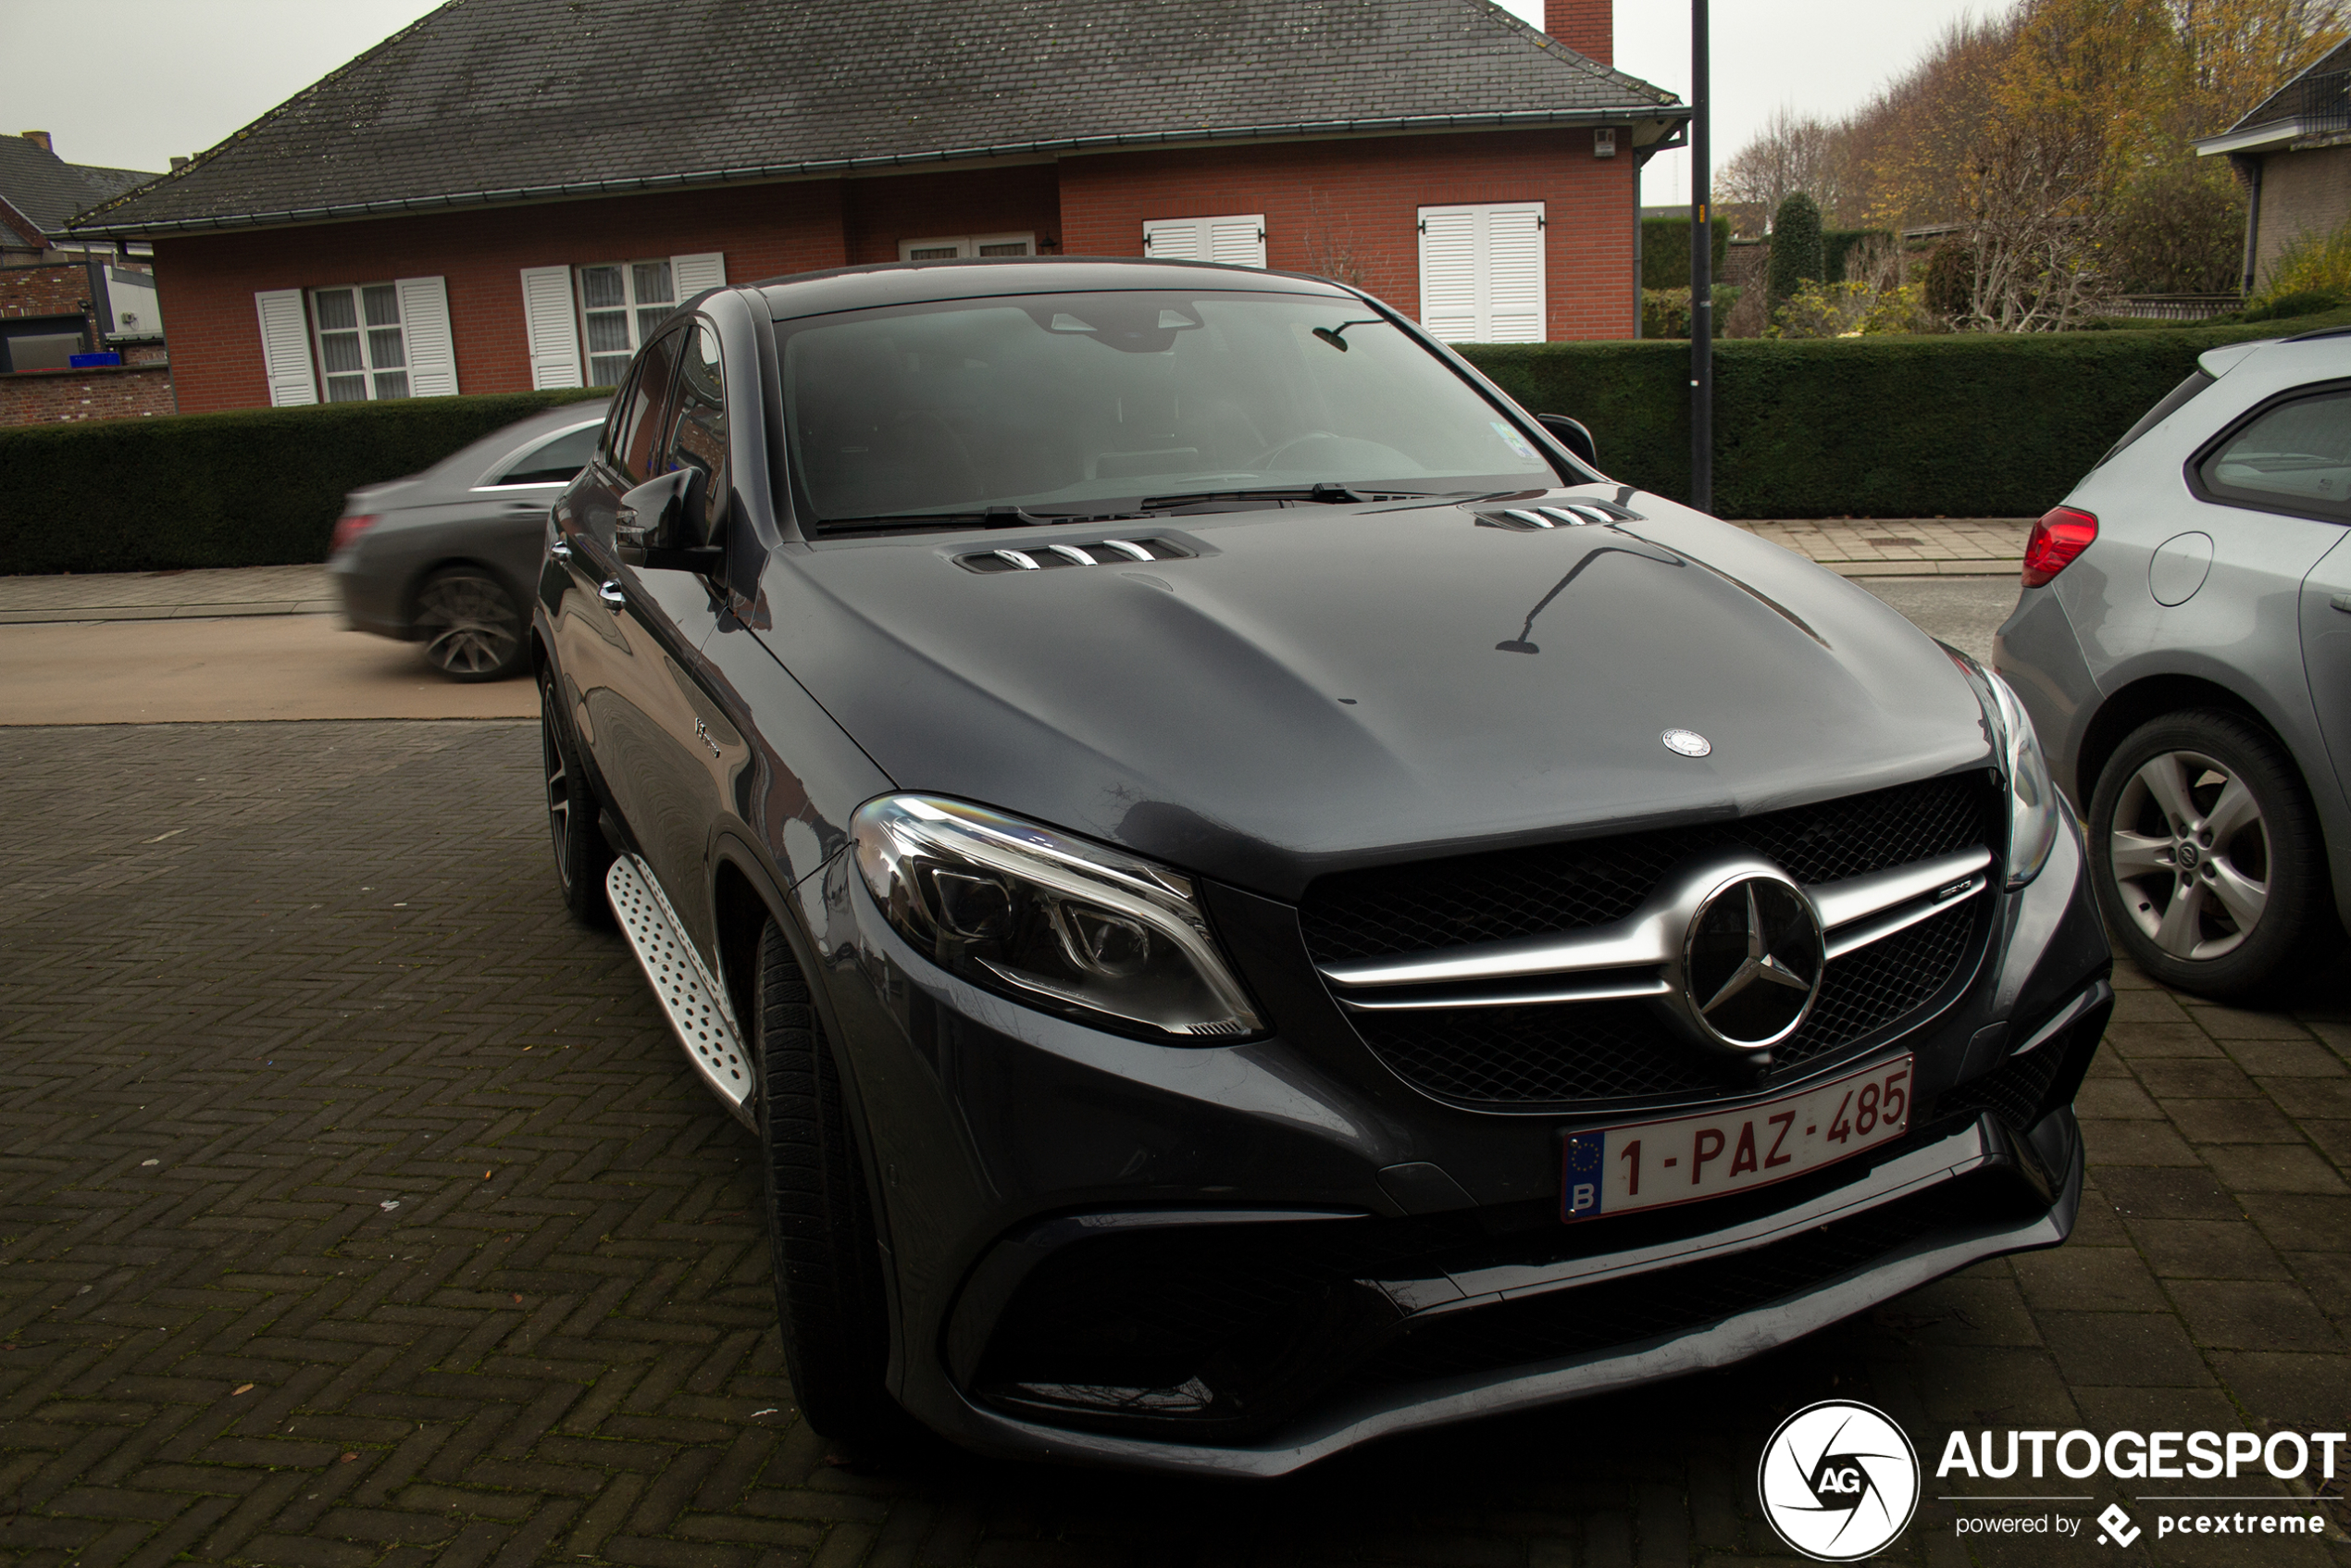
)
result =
(1482, 273)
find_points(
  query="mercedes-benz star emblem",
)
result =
(1688, 742)
(1752, 964)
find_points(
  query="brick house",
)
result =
(502, 196)
(65, 297)
(2294, 153)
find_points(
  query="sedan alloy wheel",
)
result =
(470, 626)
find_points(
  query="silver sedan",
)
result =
(445, 558)
(2183, 645)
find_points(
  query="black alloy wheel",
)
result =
(2206, 857)
(582, 854)
(470, 626)
(830, 1301)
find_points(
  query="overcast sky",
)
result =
(126, 83)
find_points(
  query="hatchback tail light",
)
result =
(348, 529)
(2056, 539)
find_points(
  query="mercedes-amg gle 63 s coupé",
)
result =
(1252, 899)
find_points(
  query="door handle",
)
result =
(615, 600)
(560, 552)
(2341, 601)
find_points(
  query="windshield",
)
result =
(1088, 404)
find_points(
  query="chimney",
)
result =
(39, 139)
(178, 164)
(1588, 27)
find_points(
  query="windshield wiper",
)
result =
(1327, 492)
(989, 516)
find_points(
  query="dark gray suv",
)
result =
(1252, 898)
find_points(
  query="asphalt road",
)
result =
(311, 667)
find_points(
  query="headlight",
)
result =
(2034, 805)
(1052, 921)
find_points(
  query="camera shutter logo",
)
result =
(2117, 1525)
(1839, 1481)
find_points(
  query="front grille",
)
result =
(1486, 897)
(1608, 1051)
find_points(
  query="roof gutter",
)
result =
(1663, 115)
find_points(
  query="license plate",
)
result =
(1655, 1164)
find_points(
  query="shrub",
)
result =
(2313, 262)
(1665, 313)
(2179, 228)
(1795, 246)
(1968, 424)
(1950, 280)
(1665, 251)
(2281, 307)
(251, 487)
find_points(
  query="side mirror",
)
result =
(1571, 434)
(649, 529)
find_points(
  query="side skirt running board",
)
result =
(692, 1000)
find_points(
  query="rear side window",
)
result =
(2173, 401)
(555, 461)
(2292, 456)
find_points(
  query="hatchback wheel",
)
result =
(582, 854)
(2207, 862)
(470, 626)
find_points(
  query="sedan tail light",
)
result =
(2056, 539)
(348, 529)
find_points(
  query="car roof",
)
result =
(917, 282)
(2324, 350)
(465, 467)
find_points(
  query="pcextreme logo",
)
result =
(1839, 1480)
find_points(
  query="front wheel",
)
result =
(582, 854)
(829, 1301)
(2206, 858)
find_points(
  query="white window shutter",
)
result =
(1514, 274)
(432, 354)
(1237, 241)
(285, 347)
(1173, 240)
(1482, 273)
(707, 269)
(553, 327)
(1448, 275)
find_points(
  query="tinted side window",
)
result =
(697, 428)
(2173, 401)
(643, 407)
(2292, 457)
(555, 461)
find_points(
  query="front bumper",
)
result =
(1240, 1260)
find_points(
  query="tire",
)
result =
(830, 1301)
(2206, 857)
(470, 626)
(582, 854)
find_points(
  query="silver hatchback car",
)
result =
(2183, 645)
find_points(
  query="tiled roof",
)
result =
(47, 191)
(489, 100)
(2286, 104)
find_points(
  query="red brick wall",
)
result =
(1588, 27)
(1350, 209)
(205, 283)
(45, 290)
(879, 213)
(44, 397)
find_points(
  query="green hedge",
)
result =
(247, 488)
(1665, 251)
(1966, 425)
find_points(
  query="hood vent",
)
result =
(1092, 553)
(1575, 513)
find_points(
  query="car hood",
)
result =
(1327, 687)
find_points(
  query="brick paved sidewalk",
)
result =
(356, 1208)
(143, 596)
(1906, 546)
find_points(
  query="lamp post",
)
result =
(1701, 277)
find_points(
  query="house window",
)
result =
(363, 351)
(1482, 273)
(1237, 239)
(952, 248)
(620, 304)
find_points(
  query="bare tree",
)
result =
(1792, 153)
